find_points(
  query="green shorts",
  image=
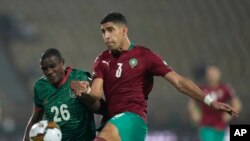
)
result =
(211, 134)
(131, 127)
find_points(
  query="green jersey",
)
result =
(61, 106)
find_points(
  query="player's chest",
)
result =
(123, 67)
(58, 96)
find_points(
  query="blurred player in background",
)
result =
(213, 123)
(125, 73)
(54, 98)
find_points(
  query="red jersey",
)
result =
(128, 79)
(210, 117)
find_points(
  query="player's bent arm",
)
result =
(185, 85)
(97, 88)
(98, 107)
(94, 93)
(36, 116)
(236, 103)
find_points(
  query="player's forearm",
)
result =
(103, 108)
(236, 103)
(37, 115)
(187, 87)
(89, 98)
(98, 107)
(31, 122)
(26, 133)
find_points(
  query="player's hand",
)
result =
(224, 107)
(79, 87)
(226, 117)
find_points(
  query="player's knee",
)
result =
(109, 132)
(99, 139)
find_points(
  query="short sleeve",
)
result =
(97, 69)
(156, 65)
(37, 99)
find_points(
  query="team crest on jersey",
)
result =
(72, 94)
(133, 62)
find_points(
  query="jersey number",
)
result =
(60, 113)
(119, 70)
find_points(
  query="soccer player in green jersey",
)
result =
(54, 99)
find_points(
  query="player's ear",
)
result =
(63, 61)
(125, 30)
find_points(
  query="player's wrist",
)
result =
(208, 100)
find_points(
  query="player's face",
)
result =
(113, 35)
(213, 75)
(53, 69)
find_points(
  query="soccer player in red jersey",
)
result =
(213, 123)
(124, 72)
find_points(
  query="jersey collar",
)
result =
(132, 45)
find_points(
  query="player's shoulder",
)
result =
(226, 86)
(78, 71)
(41, 81)
(104, 55)
(142, 50)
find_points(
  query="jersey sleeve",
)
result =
(156, 65)
(97, 68)
(37, 100)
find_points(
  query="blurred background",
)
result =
(188, 34)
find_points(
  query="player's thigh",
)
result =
(207, 134)
(109, 132)
(131, 127)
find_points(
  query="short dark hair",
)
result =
(52, 52)
(114, 17)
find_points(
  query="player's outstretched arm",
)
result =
(187, 87)
(36, 116)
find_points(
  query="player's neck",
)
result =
(125, 45)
